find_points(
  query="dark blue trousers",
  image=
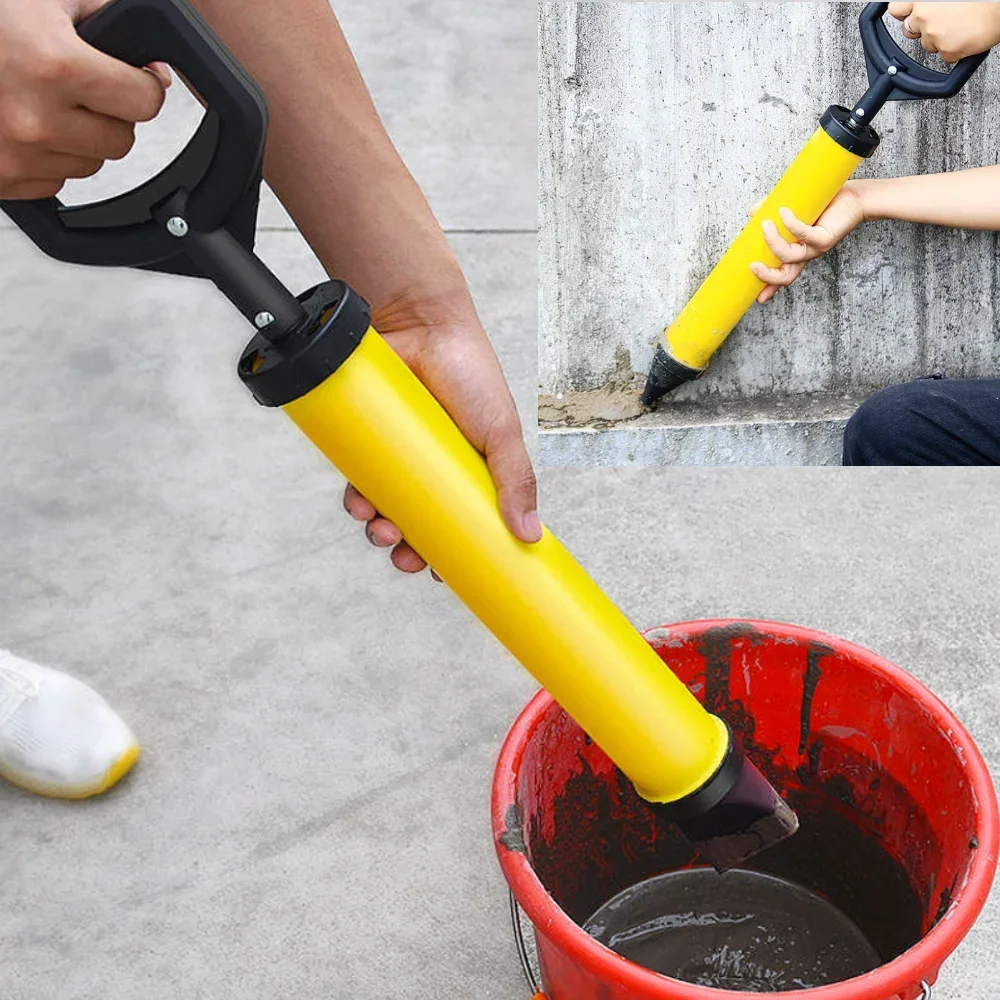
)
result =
(933, 421)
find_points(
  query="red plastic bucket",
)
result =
(835, 727)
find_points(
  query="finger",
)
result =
(29, 190)
(62, 166)
(789, 253)
(780, 277)
(383, 533)
(799, 229)
(406, 560)
(900, 11)
(927, 44)
(84, 133)
(517, 489)
(111, 87)
(755, 207)
(162, 72)
(813, 237)
(909, 30)
(461, 369)
(769, 275)
(769, 293)
(357, 506)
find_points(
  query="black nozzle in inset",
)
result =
(734, 815)
(665, 375)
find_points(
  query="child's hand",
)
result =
(953, 30)
(842, 216)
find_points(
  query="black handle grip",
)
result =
(218, 170)
(911, 80)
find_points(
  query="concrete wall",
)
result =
(659, 124)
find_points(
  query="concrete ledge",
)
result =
(806, 432)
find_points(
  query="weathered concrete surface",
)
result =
(660, 123)
(806, 430)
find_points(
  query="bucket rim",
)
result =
(905, 973)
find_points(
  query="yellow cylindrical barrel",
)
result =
(387, 434)
(807, 187)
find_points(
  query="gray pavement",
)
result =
(309, 819)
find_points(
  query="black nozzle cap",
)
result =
(278, 372)
(862, 140)
(734, 815)
(665, 375)
(705, 799)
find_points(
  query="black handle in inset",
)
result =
(218, 172)
(911, 80)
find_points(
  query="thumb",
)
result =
(162, 72)
(517, 488)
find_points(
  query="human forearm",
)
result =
(331, 162)
(964, 199)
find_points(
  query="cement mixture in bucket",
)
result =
(743, 931)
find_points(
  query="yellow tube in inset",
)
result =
(807, 187)
(388, 435)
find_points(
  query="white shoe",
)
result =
(59, 737)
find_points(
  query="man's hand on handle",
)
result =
(953, 30)
(65, 108)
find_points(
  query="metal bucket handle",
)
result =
(522, 949)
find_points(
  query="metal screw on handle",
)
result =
(522, 950)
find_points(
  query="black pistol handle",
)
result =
(218, 172)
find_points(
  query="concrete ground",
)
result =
(309, 819)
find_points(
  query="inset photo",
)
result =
(768, 234)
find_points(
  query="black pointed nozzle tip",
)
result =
(735, 815)
(665, 375)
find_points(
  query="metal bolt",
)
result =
(860, 112)
(263, 319)
(892, 70)
(176, 226)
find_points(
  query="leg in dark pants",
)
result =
(928, 422)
